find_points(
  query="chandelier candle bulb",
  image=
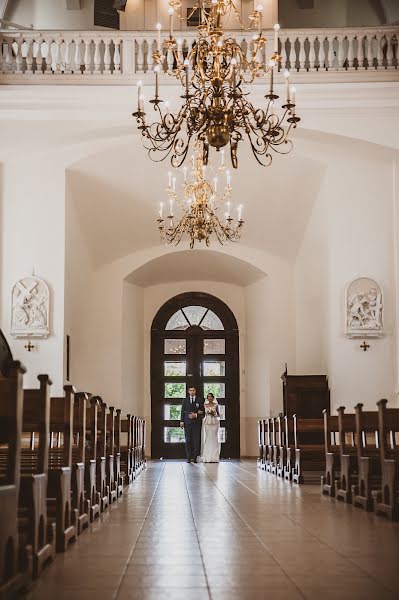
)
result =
(228, 178)
(156, 81)
(171, 13)
(287, 80)
(158, 28)
(161, 210)
(170, 179)
(139, 86)
(293, 95)
(171, 207)
(185, 174)
(215, 184)
(239, 212)
(276, 30)
(174, 184)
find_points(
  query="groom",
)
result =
(192, 413)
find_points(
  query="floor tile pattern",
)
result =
(226, 531)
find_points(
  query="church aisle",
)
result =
(226, 531)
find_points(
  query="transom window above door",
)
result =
(194, 315)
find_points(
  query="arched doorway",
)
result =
(194, 341)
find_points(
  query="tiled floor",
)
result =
(227, 531)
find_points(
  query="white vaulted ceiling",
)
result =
(117, 193)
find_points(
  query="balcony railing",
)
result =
(105, 57)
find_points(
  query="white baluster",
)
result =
(117, 56)
(249, 50)
(370, 51)
(180, 55)
(57, 56)
(391, 51)
(284, 54)
(18, 56)
(312, 52)
(351, 52)
(29, 56)
(97, 56)
(9, 57)
(302, 53)
(360, 52)
(87, 57)
(107, 57)
(331, 54)
(77, 59)
(1, 54)
(49, 58)
(323, 54)
(150, 54)
(67, 59)
(341, 52)
(380, 51)
(139, 55)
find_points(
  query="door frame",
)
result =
(231, 448)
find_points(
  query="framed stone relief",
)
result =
(364, 308)
(30, 308)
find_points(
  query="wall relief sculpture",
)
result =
(30, 308)
(364, 308)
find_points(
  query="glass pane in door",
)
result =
(175, 346)
(217, 389)
(174, 390)
(214, 368)
(174, 369)
(173, 435)
(172, 412)
(216, 346)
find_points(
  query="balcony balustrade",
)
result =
(110, 57)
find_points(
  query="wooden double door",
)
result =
(194, 343)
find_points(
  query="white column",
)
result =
(107, 57)
(77, 66)
(97, 56)
(87, 57)
(312, 52)
(370, 54)
(140, 55)
(29, 55)
(360, 51)
(67, 58)
(351, 52)
(117, 57)
(18, 55)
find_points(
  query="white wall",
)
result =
(33, 238)
(133, 349)
(350, 234)
(50, 14)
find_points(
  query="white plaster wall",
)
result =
(311, 297)
(33, 238)
(133, 349)
(360, 221)
(78, 272)
(350, 234)
(50, 14)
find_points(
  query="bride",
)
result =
(210, 446)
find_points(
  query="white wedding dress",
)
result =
(210, 445)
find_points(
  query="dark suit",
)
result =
(192, 427)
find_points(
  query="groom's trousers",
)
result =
(193, 440)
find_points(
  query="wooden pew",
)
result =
(110, 452)
(269, 445)
(15, 560)
(368, 458)
(33, 525)
(79, 501)
(135, 446)
(143, 443)
(386, 500)
(290, 447)
(348, 455)
(92, 491)
(59, 490)
(126, 448)
(276, 447)
(117, 453)
(332, 450)
(282, 448)
(309, 450)
(260, 444)
(265, 444)
(101, 465)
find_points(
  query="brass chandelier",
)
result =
(199, 206)
(216, 75)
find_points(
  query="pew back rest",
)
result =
(367, 426)
(11, 403)
(331, 431)
(91, 429)
(35, 426)
(308, 432)
(388, 419)
(61, 429)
